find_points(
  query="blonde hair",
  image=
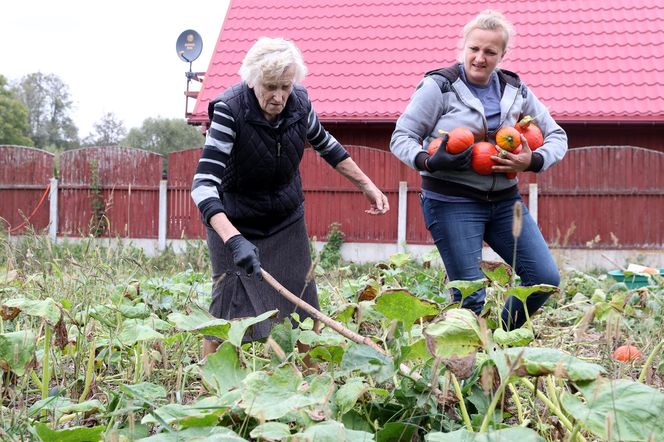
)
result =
(269, 58)
(489, 20)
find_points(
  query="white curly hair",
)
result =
(269, 58)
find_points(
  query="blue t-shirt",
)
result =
(489, 95)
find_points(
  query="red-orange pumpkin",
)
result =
(460, 140)
(481, 161)
(530, 131)
(626, 353)
(508, 138)
(434, 145)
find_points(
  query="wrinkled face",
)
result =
(273, 93)
(482, 52)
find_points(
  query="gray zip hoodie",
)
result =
(442, 101)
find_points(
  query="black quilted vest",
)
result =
(262, 177)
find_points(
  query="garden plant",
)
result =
(103, 343)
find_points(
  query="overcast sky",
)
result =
(115, 56)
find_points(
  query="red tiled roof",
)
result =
(587, 60)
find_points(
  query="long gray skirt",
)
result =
(286, 256)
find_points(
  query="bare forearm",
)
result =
(223, 226)
(379, 203)
(349, 169)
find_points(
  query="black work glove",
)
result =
(245, 255)
(443, 160)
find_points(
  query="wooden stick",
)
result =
(350, 334)
(608, 258)
(317, 314)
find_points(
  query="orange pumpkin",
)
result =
(508, 138)
(530, 131)
(460, 140)
(626, 353)
(480, 160)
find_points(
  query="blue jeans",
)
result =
(458, 229)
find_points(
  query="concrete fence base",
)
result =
(361, 253)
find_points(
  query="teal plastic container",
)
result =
(633, 281)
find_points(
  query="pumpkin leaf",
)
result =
(271, 431)
(369, 361)
(325, 337)
(17, 349)
(522, 292)
(137, 333)
(416, 350)
(222, 370)
(138, 311)
(201, 322)
(403, 306)
(526, 361)
(345, 313)
(208, 434)
(333, 431)
(184, 416)
(349, 393)
(506, 434)
(272, 396)
(518, 337)
(395, 431)
(400, 259)
(632, 409)
(46, 309)
(457, 335)
(76, 434)
(498, 272)
(146, 391)
(466, 288)
(239, 327)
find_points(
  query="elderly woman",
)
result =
(248, 188)
(463, 208)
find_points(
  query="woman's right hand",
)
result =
(443, 160)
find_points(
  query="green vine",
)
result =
(98, 220)
(330, 255)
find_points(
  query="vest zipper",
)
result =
(278, 140)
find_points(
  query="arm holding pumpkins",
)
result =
(416, 124)
(555, 138)
(552, 150)
(516, 162)
(441, 159)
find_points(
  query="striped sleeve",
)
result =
(210, 170)
(325, 144)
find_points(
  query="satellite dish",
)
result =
(189, 45)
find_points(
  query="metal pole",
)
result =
(163, 201)
(402, 216)
(53, 211)
(532, 200)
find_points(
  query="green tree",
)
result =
(14, 127)
(163, 135)
(49, 106)
(108, 131)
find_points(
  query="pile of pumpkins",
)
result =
(508, 139)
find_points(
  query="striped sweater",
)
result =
(249, 167)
